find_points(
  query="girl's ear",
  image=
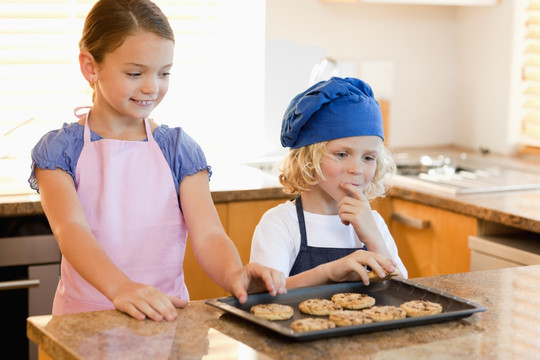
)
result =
(88, 67)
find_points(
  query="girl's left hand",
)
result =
(257, 278)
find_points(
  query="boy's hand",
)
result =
(355, 209)
(257, 278)
(353, 267)
(353, 206)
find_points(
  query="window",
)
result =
(530, 134)
(217, 84)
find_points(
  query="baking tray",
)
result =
(388, 292)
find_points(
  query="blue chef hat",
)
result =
(331, 109)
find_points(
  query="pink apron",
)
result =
(128, 195)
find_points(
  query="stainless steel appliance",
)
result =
(29, 272)
(458, 174)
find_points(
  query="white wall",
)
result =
(489, 71)
(451, 65)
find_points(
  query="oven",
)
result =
(29, 272)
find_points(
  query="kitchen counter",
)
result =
(228, 183)
(518, 209)
(509, 329)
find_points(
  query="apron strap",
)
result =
(149, 134)
(87, 135)
(301, 222)
(80, 114)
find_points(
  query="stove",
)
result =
(464, 175)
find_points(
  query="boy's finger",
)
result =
(351, 190)
(374, 277)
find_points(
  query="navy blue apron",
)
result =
(309, 256)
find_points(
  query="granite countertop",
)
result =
(509, 329)
(518, 209)
(229, 182)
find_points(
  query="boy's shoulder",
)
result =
(283, 211)
(285, 207)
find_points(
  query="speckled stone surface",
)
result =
(248, 195)
(25, 205)
(509, 329)
(20, 205)
(519, 209)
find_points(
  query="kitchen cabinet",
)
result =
(239, 219)
(199, 285)
(431, 241)
(504, 250)
(29, 271)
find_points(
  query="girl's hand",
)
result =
(141, 301)
(257, 278)
(353, 267)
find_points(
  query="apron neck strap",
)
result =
(86, 115)
(149, 134)
(86, 127)
(301, 221)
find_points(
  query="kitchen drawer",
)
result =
(497, 252)
(430, 241)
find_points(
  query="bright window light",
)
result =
(217, 84)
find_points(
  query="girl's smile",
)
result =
(144, 102)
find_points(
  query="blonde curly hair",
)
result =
(301, 168)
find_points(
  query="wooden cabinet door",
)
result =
(239, 219)
(199, 285)
(243, 218)
(431, 241)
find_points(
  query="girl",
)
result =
(120, 191)
(335, 166)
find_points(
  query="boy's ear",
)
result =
(88, 67)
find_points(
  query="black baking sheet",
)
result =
(389, 292)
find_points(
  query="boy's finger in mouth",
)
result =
(352, 190)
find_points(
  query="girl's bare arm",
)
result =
(213, 249)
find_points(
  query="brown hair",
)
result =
(111, 21)
(302, 166)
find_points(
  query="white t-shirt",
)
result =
(276, 240)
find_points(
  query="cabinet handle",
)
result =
(410, 221)
(19, 284)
